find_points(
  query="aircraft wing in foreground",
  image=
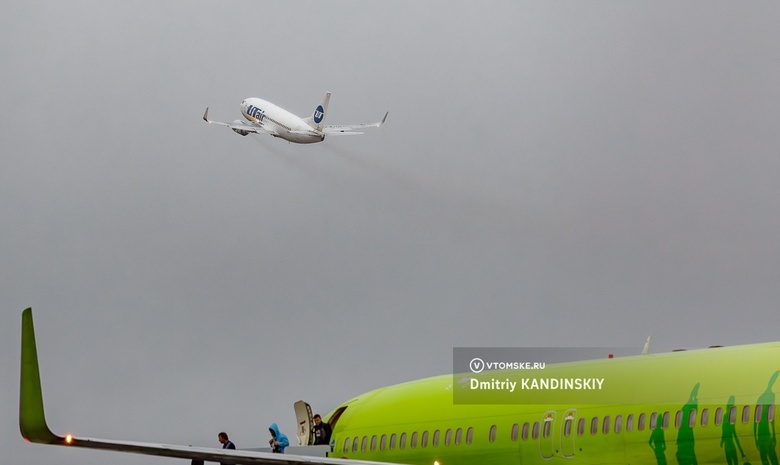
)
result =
(32, 423)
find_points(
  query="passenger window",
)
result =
(640, 424)
(346, 445)
(448, 437)
(364, 444)
(605, 425)
(515, 431)
(458, 435)
(492, 433)
(653, 420)
(581, 427)
(469, 435)
(594, 425)
(718, 416)
(424, 439)
(705, 416)
(630, 423)
(355, 444)
(402, 441)
(733, 414)
(383, 442)
(666, 420)
(771, 412)
(392, 441)
(436, 438)
(413, 442)
(757, 416)
(692, 418)
(567, 427)
(678, 419)
(745, 414)
(373, 443)
(535, 433)
(618, 423)
(547, 427)
(525, 430)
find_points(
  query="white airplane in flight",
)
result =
(265, 117)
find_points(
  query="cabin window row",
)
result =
(604, 424)
(422, 440)
(278, 123)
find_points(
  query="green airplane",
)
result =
(713, 405)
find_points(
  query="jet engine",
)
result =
(239, 131)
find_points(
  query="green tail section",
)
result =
(32, 421)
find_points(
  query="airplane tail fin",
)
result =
(316, 119)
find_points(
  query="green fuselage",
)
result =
(712, 406)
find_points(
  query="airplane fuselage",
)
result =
(286, 125)
(684, 408)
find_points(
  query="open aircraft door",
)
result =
(305, 430)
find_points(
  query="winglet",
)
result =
(383, 119)
(206, 115)
(32, 421)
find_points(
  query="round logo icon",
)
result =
(319, 113)
(476, 365)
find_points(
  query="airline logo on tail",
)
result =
(319, 113)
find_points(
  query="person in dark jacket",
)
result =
(278, 439)
(322, 431)
(226, 443)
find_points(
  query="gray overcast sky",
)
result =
(551, 173)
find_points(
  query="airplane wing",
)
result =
(347, 130)
(242, 128)
(32, 424)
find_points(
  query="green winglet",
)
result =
(32, 421)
